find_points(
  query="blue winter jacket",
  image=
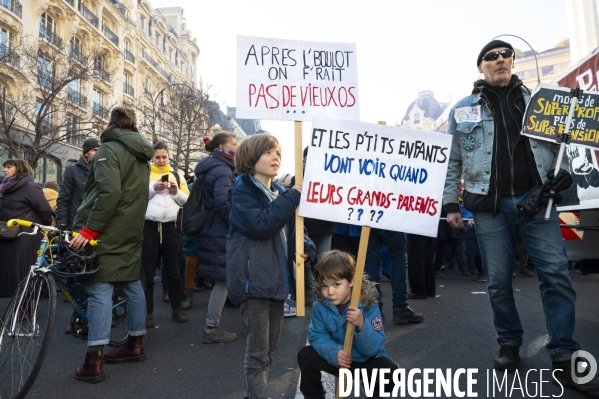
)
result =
(212, 241)
(327, 332)
(257, 265)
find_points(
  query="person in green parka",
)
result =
(113, 211)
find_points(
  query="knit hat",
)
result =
(490, 46)
(90, 144)
(51, 184)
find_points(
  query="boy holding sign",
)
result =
(334, 275)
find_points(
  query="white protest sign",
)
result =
(386, 177)
(293, 80)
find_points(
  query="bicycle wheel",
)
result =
(119, 330)
(25, 333)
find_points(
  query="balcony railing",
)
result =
(9, 57)
(13, 6)
(78, 56)
(151, 60)
(100, 111)
(129, 56)
(127, 89)
(87, 14)
(44, 81)
(76, 98)
(120, 8)
(71, 2)
(50, 37)
(110, 35)
(105, 76)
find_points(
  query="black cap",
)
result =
(490, 46)
(90, 144)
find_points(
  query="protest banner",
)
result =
(294, 80)
(547, 111)
(584, 162)
(380, 176)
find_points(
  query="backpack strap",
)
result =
(178, 178)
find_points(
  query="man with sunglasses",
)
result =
(500, 168)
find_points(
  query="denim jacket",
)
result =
(472, 150)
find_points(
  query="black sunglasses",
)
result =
(493, 55)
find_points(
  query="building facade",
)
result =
(137, 52)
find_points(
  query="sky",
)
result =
(402, 46)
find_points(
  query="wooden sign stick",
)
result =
(299, 227)
(355, 294)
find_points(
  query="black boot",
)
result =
(508, 358)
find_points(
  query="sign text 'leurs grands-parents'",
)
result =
(294, 80)
(380, 176)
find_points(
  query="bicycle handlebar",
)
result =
(25, 223)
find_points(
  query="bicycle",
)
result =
(28, 321)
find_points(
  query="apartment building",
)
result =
(137, 52)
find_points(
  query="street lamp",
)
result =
(191, 97)
(533, 53)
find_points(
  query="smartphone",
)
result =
(164, 178)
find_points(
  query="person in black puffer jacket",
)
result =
(72, 186)
(212, 254)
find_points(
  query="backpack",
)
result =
(195, 214)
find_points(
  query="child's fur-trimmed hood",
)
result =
(369, 292)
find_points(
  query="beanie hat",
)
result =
(90, 144)
(51, 184)
(491, 45)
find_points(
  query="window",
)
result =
(47, 25)
(126, 79)
(142, 22)
(45, 72)
(5, 42)
(143, 51)
(127, 45)
(73, 135)
(98, 97)
(158, 40)
(47, 120)
(48, 169)
(76, 49)
(416, 118)
(170, 54)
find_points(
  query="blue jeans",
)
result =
(99, 308)
(497, 237)
(396, 246)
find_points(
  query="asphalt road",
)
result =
(457, 333)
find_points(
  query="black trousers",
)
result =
(170, 249)
(421, 268)
(311, 364)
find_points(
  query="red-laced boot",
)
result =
(130, 351)
(92, 370)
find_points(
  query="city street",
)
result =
(457, 333)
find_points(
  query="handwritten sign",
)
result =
(548, 109)
(294, 80)
(386, 177)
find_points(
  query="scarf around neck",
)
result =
(271, 196)
(221, 152)
(8, 182)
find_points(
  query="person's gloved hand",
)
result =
(557, 197)
(561, 182)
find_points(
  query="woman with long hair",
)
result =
(113, 210)
(212, 243)
(20, 198)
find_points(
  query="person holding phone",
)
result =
(162, 237)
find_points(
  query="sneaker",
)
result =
(218, 336)
(481, 277)
(407, 316)
(508, 358)
(466, 273)
(438, 275)
(562, 372)
(290, 311)
(411, 295)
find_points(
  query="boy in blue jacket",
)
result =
(334, 276)
(260, 253)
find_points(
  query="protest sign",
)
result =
(294, 80)
(547, 111)
(380, 176)
(584, 162)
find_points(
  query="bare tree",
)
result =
(52, 110)
(179, 116)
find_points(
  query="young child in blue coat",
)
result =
(260, 253)
(334, 276)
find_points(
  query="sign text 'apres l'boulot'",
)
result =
(375, 175)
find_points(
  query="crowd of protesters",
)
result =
(124, 192)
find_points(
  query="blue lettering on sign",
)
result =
(337, 164)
